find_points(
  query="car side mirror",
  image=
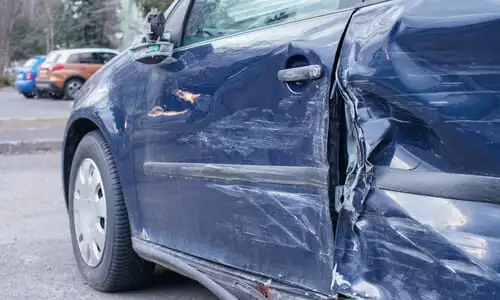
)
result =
(156, 45)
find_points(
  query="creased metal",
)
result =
(420, 85)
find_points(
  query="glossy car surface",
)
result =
(65, 71)
(377, 179)
(26, 76)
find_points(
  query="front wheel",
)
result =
(100, 230)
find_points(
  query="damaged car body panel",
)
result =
(231, 158)
(420, 84)
(350, 152)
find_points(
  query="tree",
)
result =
(147, 5)
(29, 27)
(8, 15)
(35, 29)
(25, 39)
(48, 12)
(91, 23)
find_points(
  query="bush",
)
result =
(6, 81)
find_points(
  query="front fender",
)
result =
(100, 107)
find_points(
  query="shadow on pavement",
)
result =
(166, 282)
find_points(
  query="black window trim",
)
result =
(176, 16)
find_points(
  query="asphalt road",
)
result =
(15, 106)
(43, 113)
(36, 259)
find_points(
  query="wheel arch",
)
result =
(74, 134)
(116, 135)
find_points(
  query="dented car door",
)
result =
(231, 139)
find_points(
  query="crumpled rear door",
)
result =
(420, 215)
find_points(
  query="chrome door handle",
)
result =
(311, 72)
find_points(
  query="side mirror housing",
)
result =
(156, 44)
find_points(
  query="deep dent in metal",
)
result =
(417, 79)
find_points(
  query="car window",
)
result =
(103, 57)
(30, 63)
(52, 57)
(215, 18)
(84, 58)
(78, 58)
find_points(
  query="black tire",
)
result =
(57, 96)
(67, 86)
(29, 95)
(40, 94)
(120, 268)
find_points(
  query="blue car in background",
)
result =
(26, 76)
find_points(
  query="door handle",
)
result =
(311, 72)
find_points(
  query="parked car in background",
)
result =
(25, 80)
(296, 149)
(65, 71)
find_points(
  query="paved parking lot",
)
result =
(36, 258)
(15, 106)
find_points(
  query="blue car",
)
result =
(26, 76)
(295, 150)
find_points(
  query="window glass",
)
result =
(104, 57)
(84, 58)
(52, 57)
(214, 18)
(97, 58)
(30, 63)
(73, 59)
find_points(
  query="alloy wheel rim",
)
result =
(89, 212)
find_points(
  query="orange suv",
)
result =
(65, 71)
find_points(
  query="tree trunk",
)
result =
(8, 14)
(52, 37)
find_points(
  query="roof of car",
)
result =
(84, 50)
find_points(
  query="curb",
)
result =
(28, 147)
(35, 123)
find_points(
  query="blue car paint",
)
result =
(28, 86)
(214, 161)
(108, 108)
(418, 82)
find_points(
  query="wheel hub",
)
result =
(89, 212)
(73, 88)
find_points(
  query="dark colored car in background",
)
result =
(65, 71)
(25, 81)
(296, 150)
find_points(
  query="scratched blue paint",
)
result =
(243, 116)
(419, 81)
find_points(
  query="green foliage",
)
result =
(147, 5)
(26, 39)
(5, 81)
(70, 24)
(89, 23)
